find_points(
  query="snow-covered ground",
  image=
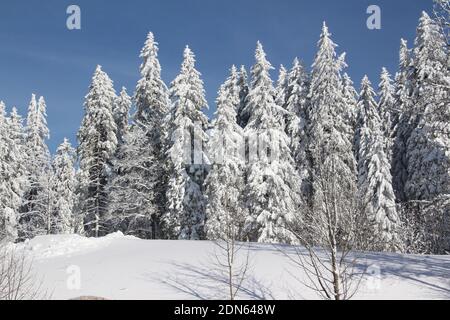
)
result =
(120, 267)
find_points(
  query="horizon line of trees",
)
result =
(147, 165)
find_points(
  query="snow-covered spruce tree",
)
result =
(329, 140)
(401, 122)
(235, 84)
(152, 106)
(428, 146)
(346, 110)
(374, 176)
(242, 114)
(332, 218)
(386, 109)
(121, 111)
(139, 183)
(327, 108)
(151, 97)
(297, 89)
(273, 185)
(442, 15)
(282, 87)
(226, 212)
(132, 187)
(35, 217)
(350, 100)
(97, 146)
(17, 134)
(185, 218)
(279, 97)
(80, 177)
(63, 187)
(297, 106)
(10, 196)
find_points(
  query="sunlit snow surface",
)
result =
(123, 267)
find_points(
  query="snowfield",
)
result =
(123, 267)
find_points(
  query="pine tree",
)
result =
(35, 218)
(121, 111)
(10, 191)
(273, 184)
(97, 146)
(330, 148)
(225, 183)
(152, 107)
(374, 176)
(242, 113)
(187, 159)
(386, 109)
(63, 187)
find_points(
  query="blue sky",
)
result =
(38, 54)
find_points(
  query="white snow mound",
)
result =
(43, 247)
